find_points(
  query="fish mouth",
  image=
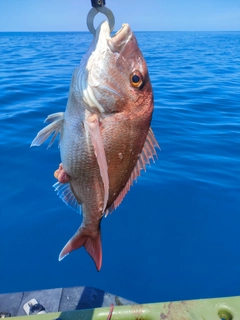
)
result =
(120, 39)
(117, 42)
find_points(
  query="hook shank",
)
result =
(94, 11)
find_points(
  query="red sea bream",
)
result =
(105, 134)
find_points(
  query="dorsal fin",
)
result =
(148, 152)
(65, 193)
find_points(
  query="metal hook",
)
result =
(104, 10)
(98, 3)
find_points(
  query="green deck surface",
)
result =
(205, 309)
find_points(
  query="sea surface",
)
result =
(176, 235)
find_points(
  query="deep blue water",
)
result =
(177, 233)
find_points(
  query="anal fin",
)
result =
(65, 193)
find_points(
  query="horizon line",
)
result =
(86, 31)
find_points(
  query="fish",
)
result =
(105, 133)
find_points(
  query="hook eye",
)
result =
(93, 12)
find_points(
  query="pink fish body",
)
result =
(105, 134)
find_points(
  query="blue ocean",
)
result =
(176, 235)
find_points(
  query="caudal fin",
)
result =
(91, 243)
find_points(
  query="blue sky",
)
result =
(162, 15)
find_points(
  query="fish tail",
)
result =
(91, 242)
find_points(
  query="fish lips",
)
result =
(117, 42)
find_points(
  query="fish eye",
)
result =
(136, 79)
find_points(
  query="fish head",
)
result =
(115, 74)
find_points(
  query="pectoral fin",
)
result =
(92, 127)
(54, 127)
(148, 152)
